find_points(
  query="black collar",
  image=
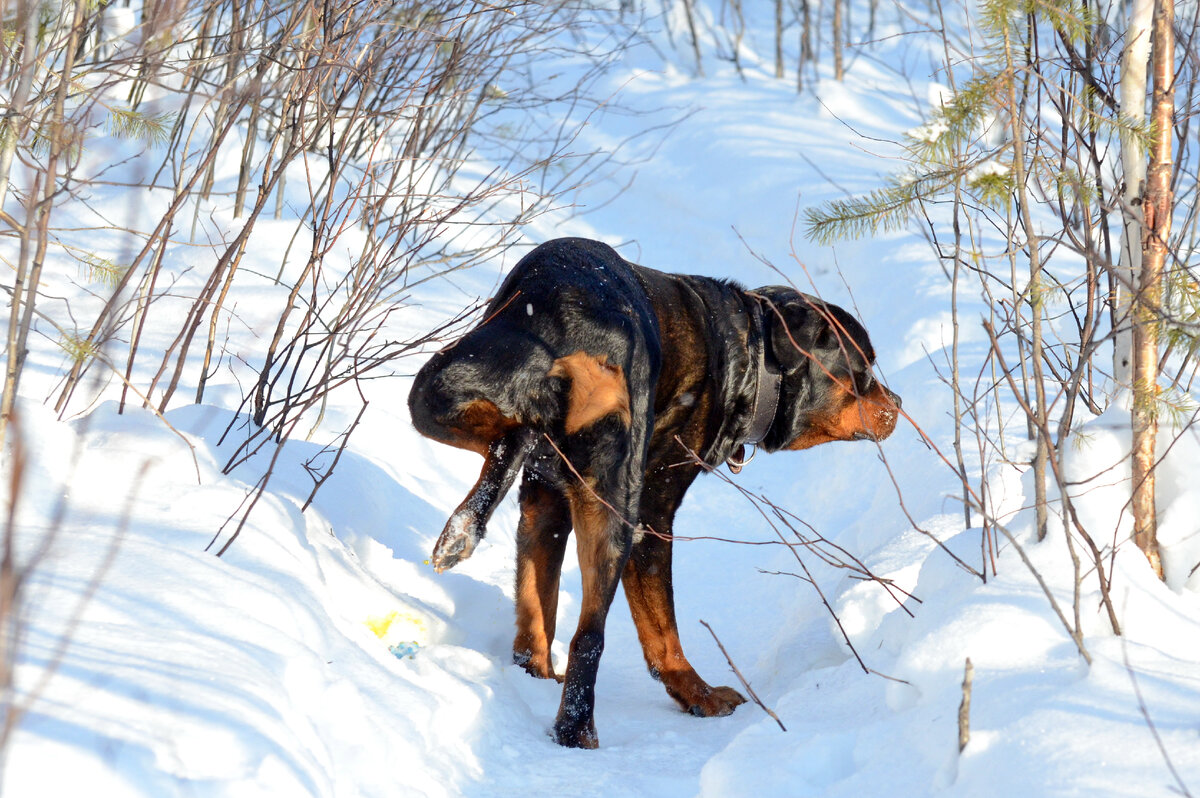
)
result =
(768, 382)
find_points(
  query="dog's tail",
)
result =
(499, 364)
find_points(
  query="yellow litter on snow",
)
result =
(402, 632)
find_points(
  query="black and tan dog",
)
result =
(593, 374)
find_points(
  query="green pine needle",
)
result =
(153, 129)
(103, 271)
(80, 350)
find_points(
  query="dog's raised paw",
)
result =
(455, 544)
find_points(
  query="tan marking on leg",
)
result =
(539, 561)
(599, 559)
(596, 549)
(650, 605)
(598, 389)
(536, 608)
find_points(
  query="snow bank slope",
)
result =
(259, 673)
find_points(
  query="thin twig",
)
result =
(1137, 691)
(753, 696)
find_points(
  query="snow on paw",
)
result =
(576, 735)
(538, 667)
(456, 543)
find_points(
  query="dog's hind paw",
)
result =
(538, 667)
(455, 544)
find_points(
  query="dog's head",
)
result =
(828, 391)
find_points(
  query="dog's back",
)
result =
(566, 297)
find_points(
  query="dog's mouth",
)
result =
(882, 411)
(876, 435)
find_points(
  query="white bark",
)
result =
(1134, 58)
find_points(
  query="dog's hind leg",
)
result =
(541, 542)
(604, 447)
(467, 525)
(607, 461)
(603, 542)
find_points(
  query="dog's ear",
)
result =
(824, 356)
(802, 328)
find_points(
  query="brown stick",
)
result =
(753, 696)
(964, 708)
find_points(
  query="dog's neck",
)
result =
(768, 382)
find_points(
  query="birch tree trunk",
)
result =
(1134, 58)
(1147, 310)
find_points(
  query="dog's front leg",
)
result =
(468, 523)
(647, 581)
(650, 593)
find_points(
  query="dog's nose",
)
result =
(895, 397)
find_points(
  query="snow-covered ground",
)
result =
(153, 668)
